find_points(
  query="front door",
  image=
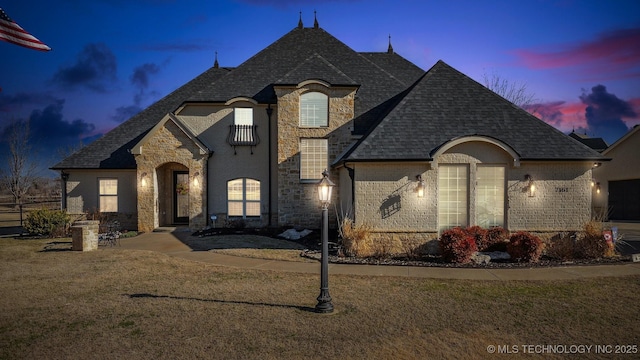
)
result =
(180, 197)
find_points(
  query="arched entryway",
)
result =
(173, 194)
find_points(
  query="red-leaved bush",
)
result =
(479, 235)
(457, 246)
(525, 247)
(495, 240)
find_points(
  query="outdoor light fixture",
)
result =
(596, 164)
(143, 180)
(195, 179)
(531, 187)
(325, 187)
(593, 182)
(420, 186)
(597, 188)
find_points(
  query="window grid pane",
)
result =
(314, 109)
(243, 197)
(243, 116)
(452, 196)
(108, 195)
(490, 196)
(313, 158)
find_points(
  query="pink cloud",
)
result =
(562, 115)
(614, 53)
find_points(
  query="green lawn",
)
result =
(115, 303)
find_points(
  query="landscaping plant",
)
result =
(525, 247)
(457, 246)
(45, 222)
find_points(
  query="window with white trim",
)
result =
(314, 158)
(243, 196)
(314, 109)
(108, 195)
(452, 196)
(490, 195)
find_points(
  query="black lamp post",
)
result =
(325, 187)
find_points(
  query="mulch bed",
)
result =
(312, 243)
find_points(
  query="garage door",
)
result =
(624, 199)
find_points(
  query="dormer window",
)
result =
(314, 109)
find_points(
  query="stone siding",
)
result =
(170, 145)
(298, 203)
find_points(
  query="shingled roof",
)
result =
(445, 105)
(302, 54)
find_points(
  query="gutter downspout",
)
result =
(63, 201)
(269, 113)
(352, 174)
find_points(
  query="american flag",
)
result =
(13, 33)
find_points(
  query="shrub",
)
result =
(562, 246)
(46, 222)
(356, 239)
(479, 236)
(457, 246)
(496, 239)
(592, 245)
(525, 247)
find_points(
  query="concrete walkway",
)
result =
(168, 242)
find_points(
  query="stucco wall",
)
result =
(82, 193)
(624, 165)
(211, 124)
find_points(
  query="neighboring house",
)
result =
(616, 184)
(410, 151)
(597, 144)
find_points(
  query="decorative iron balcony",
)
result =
(243, 135)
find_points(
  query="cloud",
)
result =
(604, 113)
(10, 103)
(124, 113)
(50, 133)
(140, 80)
(95, 69)
(562, 115)
(140, 76)
(613, 54)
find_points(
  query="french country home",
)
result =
(410, 151)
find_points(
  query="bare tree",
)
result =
(21, 170)
(515, 92)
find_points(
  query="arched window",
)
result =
(243, 196)
(314, 109)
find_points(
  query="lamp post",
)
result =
(325, 187)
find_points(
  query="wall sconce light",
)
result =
(598, 188)
(531, 187)
(143, 180)
(420, 186)
(593, 182)
(196, 182)
(596, 164)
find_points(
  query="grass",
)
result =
(117, 303)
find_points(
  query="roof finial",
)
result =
(315, 20)
(215, 63)
(390, 49)
(300, 26)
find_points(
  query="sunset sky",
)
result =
(112, 58)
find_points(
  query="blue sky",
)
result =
(112, 58)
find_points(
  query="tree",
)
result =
(21, 171)
(515, 92)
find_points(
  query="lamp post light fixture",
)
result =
(325, 187)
